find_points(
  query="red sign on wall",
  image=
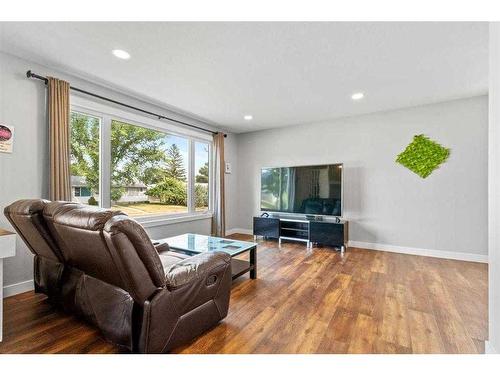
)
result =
(6, 138)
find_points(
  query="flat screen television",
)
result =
(310, 190)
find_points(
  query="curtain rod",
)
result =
(30, 74)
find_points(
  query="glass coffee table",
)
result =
(192, 244)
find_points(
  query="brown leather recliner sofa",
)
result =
(101, 265)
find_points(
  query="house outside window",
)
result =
(82, 191)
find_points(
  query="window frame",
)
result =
(107, 114)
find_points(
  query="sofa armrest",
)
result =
(161, 246)
(196, 267)
(195, 298)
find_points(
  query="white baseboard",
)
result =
(422, 252)
(238, 230)
(399, 249)
(12, 289)
(488, 348)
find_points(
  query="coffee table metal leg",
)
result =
(253, 262)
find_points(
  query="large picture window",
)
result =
(142, 171)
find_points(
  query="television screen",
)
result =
(313, 190)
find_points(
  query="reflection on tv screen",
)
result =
(314, 190)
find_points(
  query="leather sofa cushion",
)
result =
(128, 241)
(77, 229)
(79, 216)
(169, 258)
(26, 206)
(26, 217)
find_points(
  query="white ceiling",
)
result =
(281, 73)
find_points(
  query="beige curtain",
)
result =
(60, 183)
(219, 218)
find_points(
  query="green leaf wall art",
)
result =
(423, 155)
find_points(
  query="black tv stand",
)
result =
(320, 231)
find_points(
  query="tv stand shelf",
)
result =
(312, 231)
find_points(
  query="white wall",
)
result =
(24, 173)
(494, 191)
(231, 181)
(386, 203)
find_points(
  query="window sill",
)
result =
(149, 222)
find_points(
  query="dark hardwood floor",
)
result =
(306, 302)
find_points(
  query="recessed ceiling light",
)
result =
(248, 117)
(121, 54)
(357, 96)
